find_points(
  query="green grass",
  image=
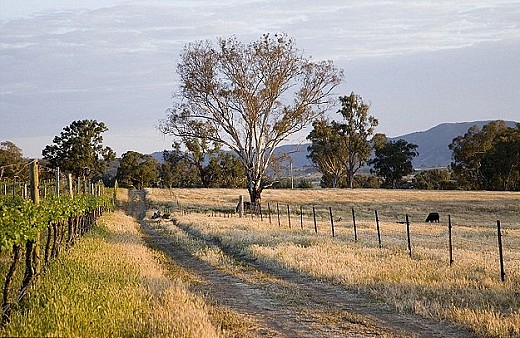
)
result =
(111, 285)
(86, 292)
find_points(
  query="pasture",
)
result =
(468, 292)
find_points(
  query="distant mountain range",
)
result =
(432, 145)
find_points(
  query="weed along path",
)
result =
(281, 302)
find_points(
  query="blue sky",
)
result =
(419, 63)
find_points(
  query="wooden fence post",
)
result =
(301, 216)
(314, 216)
(278, 212)
(289, 215)
(408, 236)
(241, 206)
(378, 231)
(57, 182)
(500, 253)
(450, 242)
(331, 220)
(69, 182)
(269, 212)
(32, 246)
(354, 221)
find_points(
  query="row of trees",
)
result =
(180, 169)
(483, 159)
(340, 148)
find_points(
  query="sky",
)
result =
(418, 63)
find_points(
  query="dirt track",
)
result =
(287, 304)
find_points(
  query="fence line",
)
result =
(453, 239)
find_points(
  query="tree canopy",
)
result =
(325, 152)
(249, 97)
(79, 149)
(488, 158)
(393, 160)
(340, 148)
(11, 160)
(215, 169)
(138, 170)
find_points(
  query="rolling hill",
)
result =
(433, 145)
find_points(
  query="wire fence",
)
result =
(491, 245)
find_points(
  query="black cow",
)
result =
(157, 215)
(433, 217)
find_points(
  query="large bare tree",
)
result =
(249, 97)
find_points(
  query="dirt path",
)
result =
(287, 304)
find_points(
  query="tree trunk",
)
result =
(350, 179)
(255, 191)
(6, 305)
(255, 196)
(30, 268)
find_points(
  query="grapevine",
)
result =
(22, 222)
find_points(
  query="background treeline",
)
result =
(341, 151)
(208, 168)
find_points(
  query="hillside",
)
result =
(433, 145)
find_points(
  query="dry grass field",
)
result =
(469, 293)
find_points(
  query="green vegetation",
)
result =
(79, 149)
(392, 161)
(340, 149)
(22, 222)
(488, 158)
(201, 166)
(138, 170)
(11, 161)
(89, 293)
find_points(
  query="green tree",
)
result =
(221, 170)
(339, 149)
(249, 97)
(500, 165)
(11, 161)
(393, 160)
(468, 154)
(177, 171)
(434, 179)
(355, 131)
(227, 170)
(138, 170)
(201, 150)
(326, 153)
(79, 149)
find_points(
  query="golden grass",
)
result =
(111, 284)
(466, 207)
(308, 196)
(469, 293)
